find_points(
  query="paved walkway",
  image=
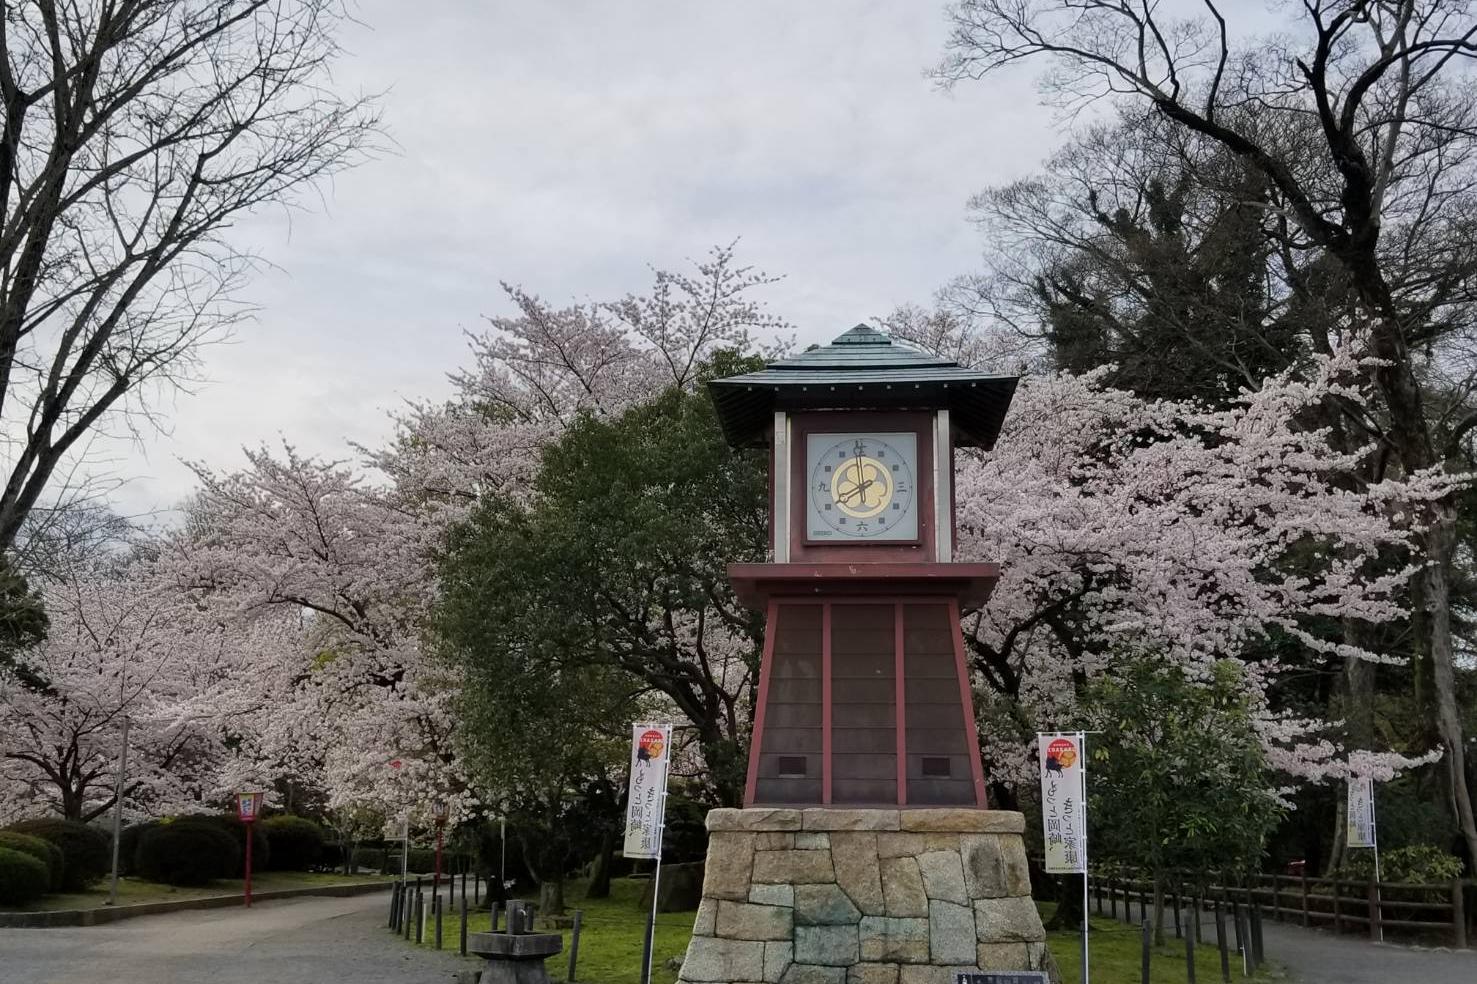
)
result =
(1312, 956)
(294, 941)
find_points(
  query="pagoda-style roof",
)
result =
(863, 369)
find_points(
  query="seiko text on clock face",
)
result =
(861, 487)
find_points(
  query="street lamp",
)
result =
(248, 805)
(439, 810)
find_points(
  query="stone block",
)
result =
(1012, 920)
(813, 840)
(985, 875)
(964, 821)
(932, 974)
(772, 894)
(900, 845)
(718, 960)
(943, 876)
(824, 905)
(811, 974)
(829, 819)
(777, 959)
(1003, 956)
(729, 864)
(951, 937)
(753, 820)
(831, 946)
(871, 973)
(792, 868)
(707, 918)
(743, 921)
(771, 840)
(902, 887)
(884, 938)
(1017, 871)
(857, 870)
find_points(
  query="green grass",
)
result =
(133, 890)
(611, 937)
(1116, 950)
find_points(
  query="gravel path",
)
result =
(294, 941)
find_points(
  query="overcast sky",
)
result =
(564, 146)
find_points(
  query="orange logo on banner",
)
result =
(1062, 752)
(650, 747)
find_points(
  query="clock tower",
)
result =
(864, 697)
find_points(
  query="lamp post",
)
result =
(248, 805)
(439, 809)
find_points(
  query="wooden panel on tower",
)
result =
(863, 704)
(790, 767)
(939, 772)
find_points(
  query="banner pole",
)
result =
(1082, 776)
(1374, 836)
(656, 879)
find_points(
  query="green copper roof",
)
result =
(864, 369)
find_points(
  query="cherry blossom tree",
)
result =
(123, 644)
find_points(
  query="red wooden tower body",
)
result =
(864, 695)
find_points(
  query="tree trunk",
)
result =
(600, 875)
(551, 896)
(1440, 539)
(1158, 908)
(1068, 913)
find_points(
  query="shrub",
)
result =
(23, 877)
(372, 858)
(87, 852)
(296, 842)
(186, 852)
(42, 850)
(261, 848)
(1419, 864)
(422, 861)
(128, 845)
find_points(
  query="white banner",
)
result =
(650, 748)
(1063, 803)
(1359, 826)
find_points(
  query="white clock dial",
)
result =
(861, 487)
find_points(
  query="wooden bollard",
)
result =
(574, 942)
(1458, 915)
(1144, 952)
(495, 908)
(1189, 959)
(1176, 897)
(1220, 942)
(462, 948)
(420, 914)
(438, 908)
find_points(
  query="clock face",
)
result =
(861, 487)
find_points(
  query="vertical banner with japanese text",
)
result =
(1063, 803)
(650, 747)
(1359, 827)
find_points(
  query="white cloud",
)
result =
(565, 145)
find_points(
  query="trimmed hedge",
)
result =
(128, 845)
(296, 842)
(186, 852)
(86, 851)
(370, 857)
(23, 877)
(42, 850)
(261, 849)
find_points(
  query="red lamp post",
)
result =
(248, 805)
(439, 809)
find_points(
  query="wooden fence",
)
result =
(1340, 904)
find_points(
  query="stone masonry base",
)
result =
(833, 896)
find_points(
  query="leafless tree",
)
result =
(136, 132)
(1384, 87)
